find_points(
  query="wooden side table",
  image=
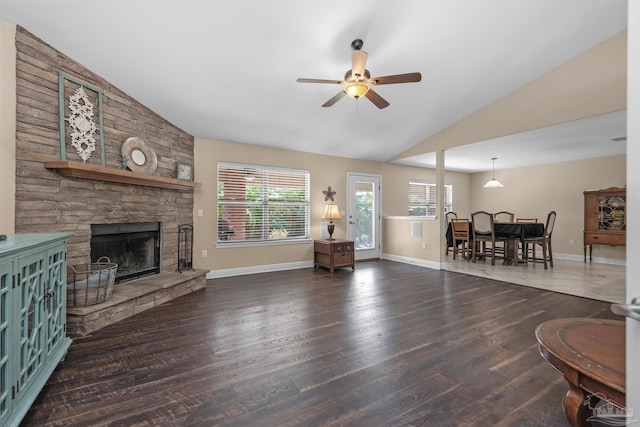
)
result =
(590, 354)
(333, 254)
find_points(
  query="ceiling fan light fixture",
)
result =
(358, 82)
(356, 89)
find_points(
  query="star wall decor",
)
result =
(328, 194)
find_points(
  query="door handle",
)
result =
(351, 222)
(629, 310)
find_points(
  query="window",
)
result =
(262, 204)
(422, 198)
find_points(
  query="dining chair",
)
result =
(503, 216)
(460, 234)
(448, 217)
(527, 248)
(544, 241)
(483, 234)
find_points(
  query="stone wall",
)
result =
(46, 201)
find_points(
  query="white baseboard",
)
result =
(228, 272)
(414, 261)
(597, 260)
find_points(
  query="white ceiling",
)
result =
(227, 70)
(580, 139)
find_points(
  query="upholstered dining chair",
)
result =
(544, 241)
(526, 247)
(483, 235)
(448, 217)
(503, 216)
(460, 234)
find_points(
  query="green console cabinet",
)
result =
(33, 310)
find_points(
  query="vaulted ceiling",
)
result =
(227, 70)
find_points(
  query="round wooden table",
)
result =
(590, 354)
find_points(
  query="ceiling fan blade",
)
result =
(337, 82)
(377, 100)
(397, 78)
(335, 99)
(358, 62)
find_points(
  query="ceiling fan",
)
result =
(358, 82)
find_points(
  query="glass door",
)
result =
(363, 214)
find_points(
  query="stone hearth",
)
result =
(133, 297)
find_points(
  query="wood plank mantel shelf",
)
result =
(82, 170)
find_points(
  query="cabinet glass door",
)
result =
(32, 276)
(6, 280)
(611, 213)
(54, 298)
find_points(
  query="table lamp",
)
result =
(331, 212)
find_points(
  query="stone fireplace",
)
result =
(93, 199)
(134, 246)
(78, 196)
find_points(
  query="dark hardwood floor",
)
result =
(390, 344)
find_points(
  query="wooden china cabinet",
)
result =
(604, 218)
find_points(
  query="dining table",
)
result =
(514, 232)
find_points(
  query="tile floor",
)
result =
(603, 282)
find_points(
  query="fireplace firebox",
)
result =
(135, 247)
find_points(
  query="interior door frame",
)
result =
(633, 201)
(352, 178)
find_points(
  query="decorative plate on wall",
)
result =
(139, 156)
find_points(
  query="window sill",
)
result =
(412, 218)
(242, 244)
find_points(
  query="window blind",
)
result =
(261, 203)
(422, 198)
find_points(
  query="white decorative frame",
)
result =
(80, 118)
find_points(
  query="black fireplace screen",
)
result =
(135, 247)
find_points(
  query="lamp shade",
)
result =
(358, 62)
(493, 183)
(331, 212)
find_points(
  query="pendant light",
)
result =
(493, 182)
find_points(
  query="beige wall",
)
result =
(536, 190)
(325, 171)
(532, 191)
(396, 181)
(397, 239)
(7, 128)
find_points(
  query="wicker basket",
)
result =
(90, 284)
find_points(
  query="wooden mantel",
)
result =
(83, 170)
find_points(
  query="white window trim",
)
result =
(431, 183)
(270, 242)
